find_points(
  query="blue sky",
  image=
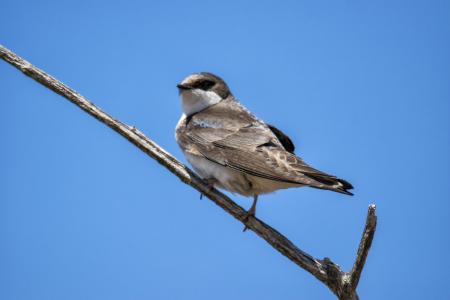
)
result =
(362, 87)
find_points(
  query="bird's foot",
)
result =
(210, 182)
(249, 214)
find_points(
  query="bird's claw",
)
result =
(210, 182)
(246, 218)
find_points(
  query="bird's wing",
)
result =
(255, 150)
(229, 135)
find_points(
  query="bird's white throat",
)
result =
(195, 100)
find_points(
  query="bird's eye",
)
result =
(206, 85)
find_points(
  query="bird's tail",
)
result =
(329, 182)
(343, 186)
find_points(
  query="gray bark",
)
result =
(342, 284)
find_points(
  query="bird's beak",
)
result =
(183, 87)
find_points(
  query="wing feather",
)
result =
(253, 147)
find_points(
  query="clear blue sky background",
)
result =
(362, 87)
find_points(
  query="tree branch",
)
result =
(364, 246)
(342, 284)
(350, 280)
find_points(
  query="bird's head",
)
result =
(201, 90)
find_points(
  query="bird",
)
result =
(231, 149)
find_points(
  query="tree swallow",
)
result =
(232, 149)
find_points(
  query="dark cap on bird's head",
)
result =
(207, 82)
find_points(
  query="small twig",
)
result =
(342, 284)
(364, 246)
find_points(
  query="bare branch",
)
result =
(364, 246)
(350, 280)
(342, 284)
